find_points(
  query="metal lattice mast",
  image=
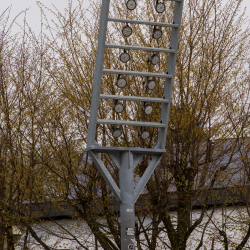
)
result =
(127, 158)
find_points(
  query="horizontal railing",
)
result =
(134, 98)
(135, 73)
(151, 49)
(131, 123)
(143, 22)
(130, 149)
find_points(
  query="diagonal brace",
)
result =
(106, 175)
(144, 179)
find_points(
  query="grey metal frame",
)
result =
(127, 158)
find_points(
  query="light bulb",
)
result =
(118, 107)
(124, 57)
(155, 59)
(117, 133)
(145, 134)
(121, 82)
(151, 84)
(160, 7)
(131, 4)
(148, 109)
(127, 31)
(157, 34)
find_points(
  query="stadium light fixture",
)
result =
(121, 82)
(148, 109)
(131, 4)
(151, 84)
(124, 57)
(116, 132)
(127, 31)
(126, 157)
(145, 134)
(157, 33)
(155, 59)
(159, 7)
(118, 107)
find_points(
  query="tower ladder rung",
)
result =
(133, 98)
(135, 73)
(117, 46)
(131, 123)
(172, 25)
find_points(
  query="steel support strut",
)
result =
(127, 211)
(98, 72)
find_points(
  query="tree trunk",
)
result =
(2, 233)
(10, 238)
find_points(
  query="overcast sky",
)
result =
(33, 15)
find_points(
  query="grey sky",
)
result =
(33, 15)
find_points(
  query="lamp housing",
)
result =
(127, 31)
(116, 132)
(155, 59)
(151, 84)
(148, 109)
(124, 57)
(121, 82)
(160, 7)
(145, 134)
(118, 107)
(157, 33)
(131, 4)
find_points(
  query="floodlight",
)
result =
(131, 4)
(157, 33)
(151, 84)
(118, 107)
(117, 132)
(148, 109)
(155, 59)
(127, 31)
(160, 7)
(124, 57)
(145, 134)
(121, 82)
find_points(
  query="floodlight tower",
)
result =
(127, 158)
